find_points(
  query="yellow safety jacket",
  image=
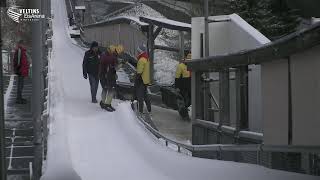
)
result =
(182, 71)
(143, 68)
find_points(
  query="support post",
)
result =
(196, 102)
(37, 58)
(151, 51)
(181, 43)
(224, 97)
(244, 117)
(242, 98)
(3, 168)
(206, 101)
(206, 27)
(195, 96)
(238, 100)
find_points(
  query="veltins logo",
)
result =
(14, 14)
(18, 15)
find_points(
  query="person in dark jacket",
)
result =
(90, 67)
(21, 67)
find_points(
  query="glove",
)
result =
(85, 76)
(125, 61)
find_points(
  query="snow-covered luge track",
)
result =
(88, 143)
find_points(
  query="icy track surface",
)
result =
(88, 143)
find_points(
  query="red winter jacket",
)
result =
(107, 70)
(24, 64)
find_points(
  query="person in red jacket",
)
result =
(108, 78)
(21, 67)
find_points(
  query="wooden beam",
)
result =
(165, 48)
(156, 32)
(151, 51)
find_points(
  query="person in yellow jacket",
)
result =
(142, 79)
(183, 80)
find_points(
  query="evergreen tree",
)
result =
(271, 19)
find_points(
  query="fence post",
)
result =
(259, 153)
(224, 96)
(151, 51)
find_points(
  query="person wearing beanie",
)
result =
(142, 78)
(183, 80)
(90, 68)
(108, 75)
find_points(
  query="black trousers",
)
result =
(142, 96)
(94, 84)
(20, 86)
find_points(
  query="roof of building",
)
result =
(117, 20)
(281, 48)
(167, 23)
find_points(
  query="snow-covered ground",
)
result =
(88, 143)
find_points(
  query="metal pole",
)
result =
(206, 100)
(151, 51)
(37, 45)
(3, 168)
(206, 28)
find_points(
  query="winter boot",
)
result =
(102, 105)
(108, 106)
(112, 108)
(94, 101)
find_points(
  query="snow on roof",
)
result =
(119, 18)
(167, 23)
(137, 20)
